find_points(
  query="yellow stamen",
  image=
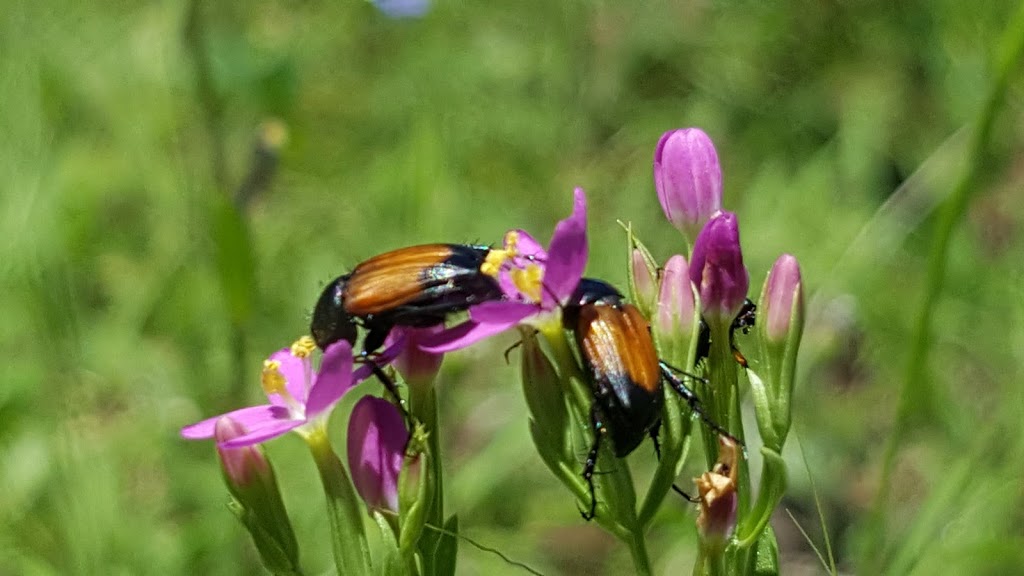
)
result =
(272, 380)
(303, 347)
(494, 261)
(512, 241)
(529, 281)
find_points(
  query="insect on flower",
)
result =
(624, 373)
(417, 286)
(745, 320)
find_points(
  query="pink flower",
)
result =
(299, 398)
(536, 282)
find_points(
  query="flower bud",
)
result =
(645, 285)
(716, 268)
(688, 179)
(257, 500)
(417, 366)
(376, 448)
(674, 319)
(718, 498)
(782, 305)
(241, 466)
(545, 397)
(415, 489)
(779, 332)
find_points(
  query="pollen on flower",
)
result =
(512, 242)
(529, 281)
(303, 347)
(494, 261)
(272, 380)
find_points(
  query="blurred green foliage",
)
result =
(839, 125)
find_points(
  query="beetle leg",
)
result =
(665, 365)
(375, 337)
(679, 491)
(390, 385)
(694, 403)
(653, 433)
(597, 427)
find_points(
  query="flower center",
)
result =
(275, 383)
(529, 280)
(494, 261)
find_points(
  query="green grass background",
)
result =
(840, 126)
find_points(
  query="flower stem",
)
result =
(423, 404)
(914, 390)
(724, 406)
(351, 552)
(638, 550)
(620, 516)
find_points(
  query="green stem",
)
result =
(620, 494)
(423, 405)
(351, 552)
(638, 550)
(724, 406)
(914, 391)
(567, 365)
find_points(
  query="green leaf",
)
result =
(766, 562)
(447, 548)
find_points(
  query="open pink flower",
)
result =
(299, 398)
(536, 282)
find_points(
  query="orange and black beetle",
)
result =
(416, 286)
(623, 370)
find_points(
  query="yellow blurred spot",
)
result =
(529, 281)
(303, 347)
(272, 380)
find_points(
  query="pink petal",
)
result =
(295, 371)
(501, 312)
(567, 254)
(526, 245)
(463, 335)
(530, 253)
(266, 431)
(392, 348)
(333, 380)
(414, 363)
(248, 417)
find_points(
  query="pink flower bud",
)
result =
(688, 179)
(417, 366)
(242, 466)
(716, 268)
(782, 288)
(644, 282)
(376, 448)
(674, 317)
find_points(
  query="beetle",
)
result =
(625, 375)
(416, 286)
(745, 319)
